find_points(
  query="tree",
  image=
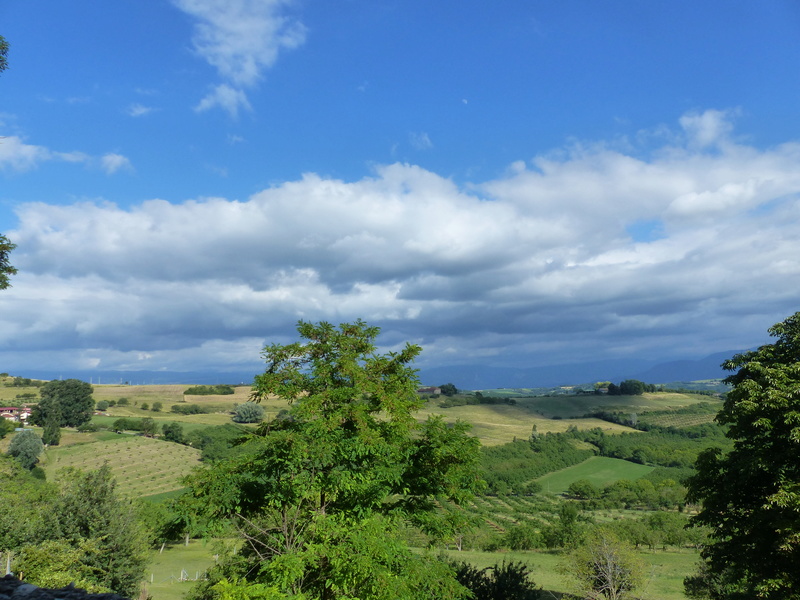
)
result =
(6, 270)
(501, 582)
(6, 427)
(103, 405)
(88, 508)
(51, 435)
(318, 493)
(149, 427)
(751, 494)
(173, 432)
(72, 397)
(26, 447)
(249, 412)
(448, 389)
(631, 387)
(3, 54)
(157, 406)
(604, 567)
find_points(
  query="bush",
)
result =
(500, 582)
(102, 405)
(249, 412)
(157, 406)
(26, 448)
(123, 402)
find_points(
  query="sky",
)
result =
(517, 183)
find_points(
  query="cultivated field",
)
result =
(141, 466)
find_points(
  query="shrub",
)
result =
(102, 405)
(500, 582)
(249, 412)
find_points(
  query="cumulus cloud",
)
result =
(240, 39)
(16, 155)
(537, 266)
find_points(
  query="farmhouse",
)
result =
(14, 413)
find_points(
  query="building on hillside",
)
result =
(15, 413)
(432, 391)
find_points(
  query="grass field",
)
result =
(665, 571)
(497, 424)
(141, 466)
(600, 470)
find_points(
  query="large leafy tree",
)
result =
(71, 397)
(751, 495)
(318, 492)
(6, 270)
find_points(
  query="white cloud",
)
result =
(139, 110)
(113, 162)
(420, 141)
(241, 39)
(535, 266)
(16, 155)
(225, 97)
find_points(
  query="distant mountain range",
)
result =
(466, 377)
(478, 377)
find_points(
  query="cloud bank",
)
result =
(556, 261)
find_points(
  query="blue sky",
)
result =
(513, 183)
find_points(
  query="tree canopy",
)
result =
(318, 492)
(6, 270)
(751, 494)
(71, 397)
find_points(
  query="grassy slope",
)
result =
(141, 466)
(600, 470)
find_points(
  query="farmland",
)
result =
(152, 468)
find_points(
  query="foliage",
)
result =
(57, 563)
(209, 390)
(448, 389)
(172, 432)
(51, 435)
(510, 468)
(751, 493)
(88, 508)
(102, 405)
(149, 427)
(6, 270)
(249, 412)
(25, 501)
(604, 567)
(319, 494)
(26, 447)
(6, 427)
(665, 446)
(157, 406)
(505, 581)
(217, 442)
(477, 398)
(72, 397)
(190, 409)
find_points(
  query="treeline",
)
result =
(191, 409)
(209, 390)
(477, 398)
(664, 446)
(511, 468)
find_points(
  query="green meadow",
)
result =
(599, 470)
